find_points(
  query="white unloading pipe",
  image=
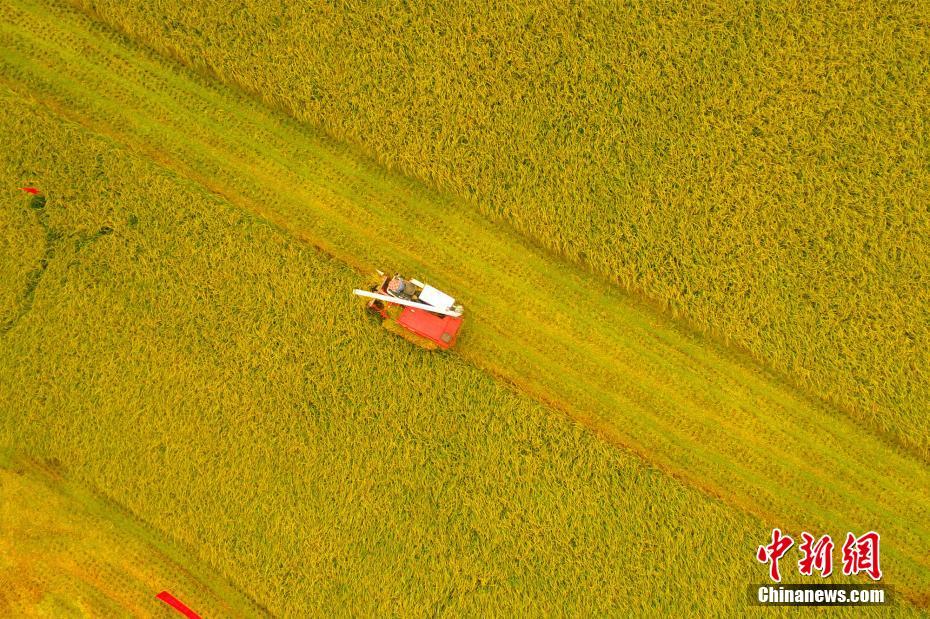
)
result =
(395, 300)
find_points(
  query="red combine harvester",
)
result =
(417, 312)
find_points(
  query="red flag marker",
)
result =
(177, 604)
(31, 190)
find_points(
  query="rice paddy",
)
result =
(65, 552)
(759, 169)
(211, 374)
(178, 332)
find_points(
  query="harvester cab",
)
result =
(416, 311)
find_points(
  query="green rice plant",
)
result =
(758, 170)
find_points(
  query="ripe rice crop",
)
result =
(185, 333)
(213, 376)
(758, 169)
(67, 553)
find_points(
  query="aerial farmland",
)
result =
(464, 309)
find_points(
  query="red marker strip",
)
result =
(177, 604)
(31, 190)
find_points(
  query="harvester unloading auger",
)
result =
(417, 312)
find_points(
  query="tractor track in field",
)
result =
(569, 341)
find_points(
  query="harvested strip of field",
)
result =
(570, 341)
(760, 168)
(64, 552)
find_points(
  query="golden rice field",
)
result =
(254, 420)
(207, 372)
(65, 552)
(177, 332)
(759, 169)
